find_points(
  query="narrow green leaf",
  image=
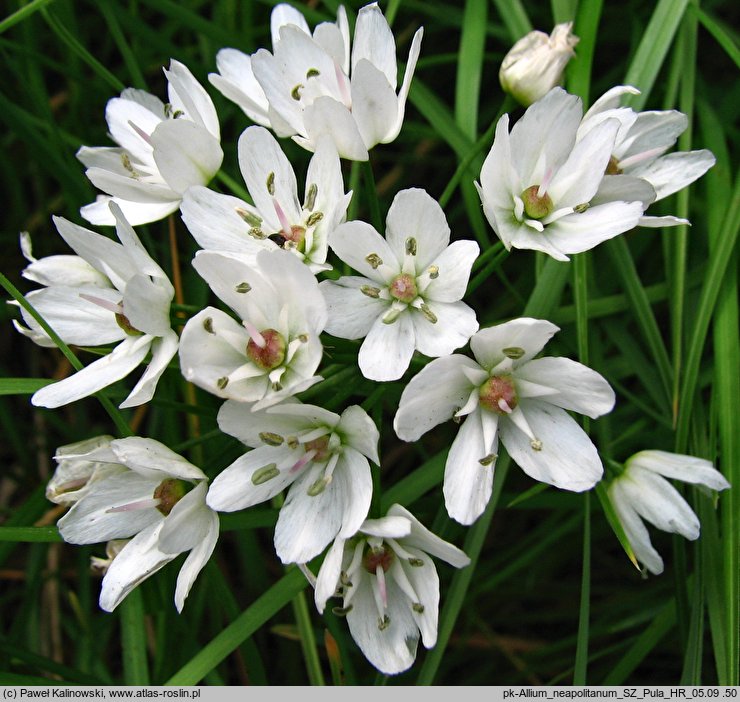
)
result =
(514, 17)
(654, 45)
(22, 386)
(133, 640)
(719, 32)
(21, 14)
(308, 640)
(30, 534)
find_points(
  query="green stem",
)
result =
(133, 640)
(581, 663)
(308, 640)
(376, 219)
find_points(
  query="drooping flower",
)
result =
(535, 64)
(277, 219)
(389, 586)
(308, 86)
(110, 292)
(639, 150)
(136, 488)
(538, 183)
(506, 393)
(409, 297)
(322, 456)
(274, 351)
(641, 491)
(162, 150)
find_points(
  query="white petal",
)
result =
(90, 520)
(98, 375)
(434, 394)
(374, 42)
(689, 469)
(577, 387)
(524, 333)
(136, 213)
(625, 188)
(261, 159)
(283, 15)
(186, 154)
(359, 432)
(238, 84)
(195, 562)
(328, 578)
(76, 320)
(425, 582)
(653, 130)
(393, 649)
(582, 231)
(468, 483)
(146, 305)
(213, 221)
(406, 85)
(138, 559)
(268, 72)
(656, 500)
(610, 99)
(355, 241)
(327, 116)
(673, 172)
(423, 539)
(374, 103)
(153, 459)
(416, 214)
(634, 529)
(391, 527)
(163, 351)
(233, 489)
(455, 324)
(188, 523)
(351, 312)
(127, 187)
(65, 270)
(566, 458)
(121, 112)
(387, 350)
(187, 94)
(454, 265)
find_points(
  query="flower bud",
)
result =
(535, 64)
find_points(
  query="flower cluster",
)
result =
(558, 182)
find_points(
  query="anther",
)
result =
(271, 183)
(243, 288)
(314, 218)
(257, 233)
(418, 607)
(248, 217)
(317, 487)
(513, 352)
(292, 442)
(579, 209)
(384, 623)
(312, 73)
(208, 325)
(536, 444)
(416, 562)
(264, 474)
(391, 316)
(342, 611)
(296, 92)
(374, 260)
(313, 190)
(427, 312)
(411, 246)
(370, 291)
(487, 460)
(271, 439)
(433, 272)
(221, 383)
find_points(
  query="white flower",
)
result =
(110, 292)
(505, 393)
(78, 466)
(142, 490)
(641, 491)
(275, 350)
(535, 64)
(277, 219)
(409, 297)
(639, 150)
(537, 183)
(162, 150)
(389, 585)
(308, 86)
(322, 456)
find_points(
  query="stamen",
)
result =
(427, 312)
(271, 183)
(433, 272)
(411, 246)
(302, 461)
(135, 506)
(264, 474)
(391, 315)
(312, 73)
(313, 191)
(487, 460)
(374, 260)
(141, 133)
(270, 438)
(315, 218)
(116, 308)
(382, 587)
(222, 382)
(513, 352)
(639, 158)
(208, 325)
(249, 217)
(296, 92)
(243, 288)
(370, 291)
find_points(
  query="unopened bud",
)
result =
(535, 64)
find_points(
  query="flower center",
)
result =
(403, 288)
(380, 556)
(536, 206)
(130, 329)
(169, 493)
(272, 354)
(321, 446)
(612, 168)
(498, 394)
